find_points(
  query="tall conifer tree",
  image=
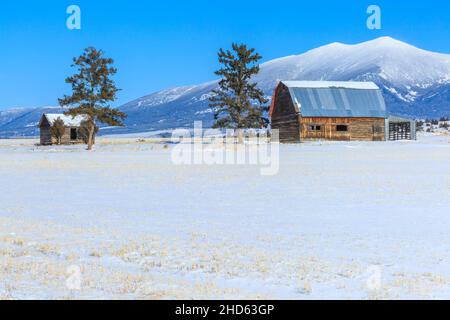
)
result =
(238, 102)
(92, 91)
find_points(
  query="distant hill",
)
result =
(22, 122)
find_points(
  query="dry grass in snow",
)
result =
(340, 220)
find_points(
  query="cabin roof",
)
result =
(69, 121)
(337, 99)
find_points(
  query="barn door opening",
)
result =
(361, 131)
(73, 134)
(399, 131)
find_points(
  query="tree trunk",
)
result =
(91, 136)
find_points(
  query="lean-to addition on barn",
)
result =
(71, 124)
(342, 111)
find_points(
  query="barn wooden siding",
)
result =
(362, 129)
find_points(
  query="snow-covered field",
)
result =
(340, 220)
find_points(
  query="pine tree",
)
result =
(238, 103)
(58, 129)
(92, 91)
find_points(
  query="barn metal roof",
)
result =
(337, 99)
(400, 119)
(332, 84)
(68, 120)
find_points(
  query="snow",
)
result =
(165, 96)
(396, 93)
(209, 110)
(337, 217)
(171, 95)
(68, 120)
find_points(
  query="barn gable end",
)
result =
(285, 115)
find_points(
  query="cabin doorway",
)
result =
(73, 134)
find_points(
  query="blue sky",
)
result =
(160, 44)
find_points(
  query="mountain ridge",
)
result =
(415, 83)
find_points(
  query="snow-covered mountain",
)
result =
(384, 59)
(415, 83)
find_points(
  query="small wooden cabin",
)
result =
(72, 125)
(342, 111)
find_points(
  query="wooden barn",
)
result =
(72, 125)
(341, 111)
